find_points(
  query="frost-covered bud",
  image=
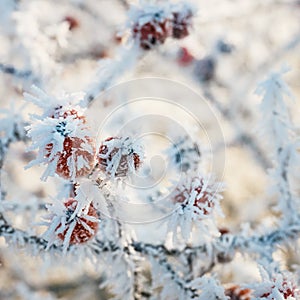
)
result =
(181, 21)
(235, 292)
(152, 30)
(185, 154)
(71, 223)
(224, 47)
(119, 157)
(62, 138)
(205, 69)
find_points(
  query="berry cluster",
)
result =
(68, 148)
(154, 26)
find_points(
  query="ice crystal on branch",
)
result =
(278, 127)
(210, 288)
(281, 136)
(62, 137)
(11, 127)
(276, 285)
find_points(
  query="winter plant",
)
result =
(83, 202)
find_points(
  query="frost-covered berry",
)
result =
(85, 225)
(181, 23)
(199, 193)
(73, 160)
(152, 30)
(71, 222)
(119, 157)
(235, 292)
(197, 201)
(62, 137)
(74, 149)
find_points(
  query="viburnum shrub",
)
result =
(127, 192)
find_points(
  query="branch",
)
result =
(26, 75)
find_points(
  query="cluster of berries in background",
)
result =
(154, 26)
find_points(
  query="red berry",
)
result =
(152, 33)
(73, 22)
(127, 157)
(78, 154)
(84, 229)
(185, 58)
(76, 147)
(181, 23)
(203, 199)
(60, 113)
(237, 293)
(224, 230)
(286, 291)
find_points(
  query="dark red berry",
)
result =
(185, 58)
(181, 24)
(122, 169)
(85, 228)
(152, 33)
(72, 22)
